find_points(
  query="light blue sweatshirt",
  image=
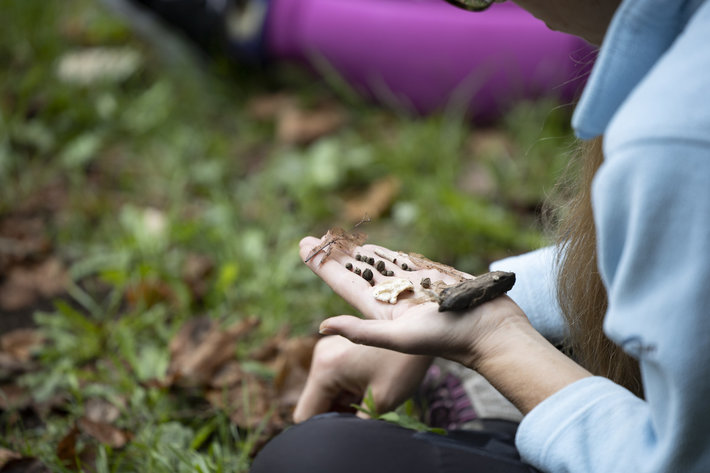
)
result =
(649, 94)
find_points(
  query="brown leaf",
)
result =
(104, 432)
(66, 448)
(7, 455)
(297, 126)
(292, 367)
(20, 343)
(269, 106)
(338, 238)
(376, 200)
(23, 285)
(100, 411)
(14, 397)
(195, 273)
(247, 403)
(271, 347)
(149, 293)
(202, 346)
(25, 465)
(229, 374)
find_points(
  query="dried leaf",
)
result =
(195, 273)
(297, 126)
(25, 465)
(7, 455)
(228, 374)
(338, 238)
(201, 347)
(101, 411)
(20, 343)
(292, 367)
(247, 403)
(104, 432)
(269, 106)
(375, 201)
(24, 285)
(14, 397)
(66, 449)
(149, 293)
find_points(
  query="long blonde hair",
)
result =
(580, 290)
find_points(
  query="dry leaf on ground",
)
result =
(298, 126)
(24, 285)
(201, 347)
(376, 200)
(104, 432)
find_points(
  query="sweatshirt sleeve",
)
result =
(651, 200)
(534, 290)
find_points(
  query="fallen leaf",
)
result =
(247, 402)
(376, 200)
(20, 343)
(149, 293)
(292, 366)
(195, 272)
(229, 374)
(7, 455)
(25, 465)
(66, 448)
(104, 432)
(298, 126)
(269, 106)
(201, 347)
(24, 285)
(14, 397)
(100, 411)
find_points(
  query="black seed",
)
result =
(389, 273)
(426, 283)
(404, 266)
(367, 274)
(349, 266)
(357, 271)
(380, 266)
(358, 257)
(372, 282)
(371, 261)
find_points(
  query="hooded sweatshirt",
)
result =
(649, 95)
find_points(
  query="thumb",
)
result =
(376, 333)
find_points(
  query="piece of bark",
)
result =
(474, 292)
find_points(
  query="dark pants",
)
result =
(340, 443)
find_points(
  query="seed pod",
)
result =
(371, 261)
(405, 267)
(357, 271)
(349, 266)
(380, 266)
(426, 283)
(358, 257)
(367, 275)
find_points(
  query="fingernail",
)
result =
(325, 330)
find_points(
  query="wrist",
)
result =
(524, 366)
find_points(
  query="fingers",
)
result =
(376, 333)
(315, 399)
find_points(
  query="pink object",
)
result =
(423, 55)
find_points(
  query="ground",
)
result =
(154, 313)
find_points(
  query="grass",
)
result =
(164, 161)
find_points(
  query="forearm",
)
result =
(525, 367)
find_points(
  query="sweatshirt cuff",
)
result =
(556, 431)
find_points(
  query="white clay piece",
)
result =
(389, 290)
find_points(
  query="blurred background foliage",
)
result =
(171, 187)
